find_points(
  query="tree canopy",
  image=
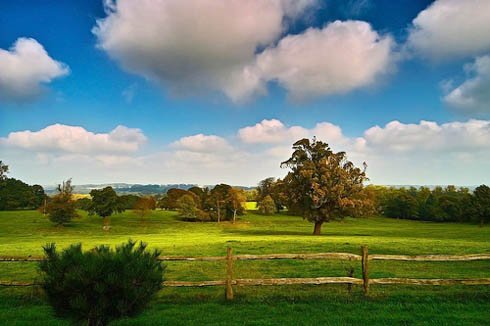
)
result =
(61, 208)
(105, 202)
(323, 185)
(481, 203)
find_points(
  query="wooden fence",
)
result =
(364, 258)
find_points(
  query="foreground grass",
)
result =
(23, 233)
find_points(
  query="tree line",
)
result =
(221, 203)
(449, 204)
(15, 194)
(440, 204)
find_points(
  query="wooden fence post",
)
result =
(350, 273)
(229, 274)
(365, 270)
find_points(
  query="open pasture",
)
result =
(22, 233)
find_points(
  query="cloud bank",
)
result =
(396, 153)
(25, 68)
(336, 59)
(63, 139)
(229, 46)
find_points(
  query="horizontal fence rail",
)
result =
(430, 257)
(318, 256)
(365, 281)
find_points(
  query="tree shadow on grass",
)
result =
(287, 232)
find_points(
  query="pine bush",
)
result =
(102, 284)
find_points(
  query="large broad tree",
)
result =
(323, 185)
(105, 202)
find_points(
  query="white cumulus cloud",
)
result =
(336, 59)
(65, 139)
(452, 29)
(229, 46)
(274, 131)
(203, 144)
(451, 137)
(192, 45)
(25, 68)
(473, 95)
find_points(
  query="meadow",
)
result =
(23, 233)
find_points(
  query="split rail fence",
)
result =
(229, 282)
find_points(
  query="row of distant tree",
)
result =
(222, 202)
(439, 204)
(15, 194)
(448, 204)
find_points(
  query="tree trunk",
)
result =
(318, 228)
(234, 216)
(219, 211)
(107, 223)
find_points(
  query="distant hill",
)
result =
(431, 187)
(155, 189)
(127, 188)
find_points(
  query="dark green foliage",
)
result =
(273, 188)
(128, 201)
(221, 203)
(267, 206)
(187, 207)
(100, 285)
(15, 194)
(202, 195)
(403, 205)
(265, 188)
(105, 202)
(440, 204)
(38, 196)
(61, 208)
(173, 195)
(481, 204)
(83, 204)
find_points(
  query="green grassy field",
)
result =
(24, 232)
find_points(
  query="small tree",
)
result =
(236, 198)
(267, 206)
(323, 185)
(482, 203)
(217, 200)
(143, 206)
(100, 285)
(105, 203)
(187, 207)
(61, 208)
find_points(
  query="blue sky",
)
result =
(139, 71)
